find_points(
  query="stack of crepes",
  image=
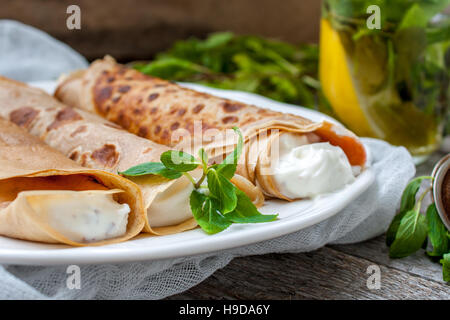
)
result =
(94, 142)
(160, 110)
(39, 184)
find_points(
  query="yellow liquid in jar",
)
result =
(379, 114)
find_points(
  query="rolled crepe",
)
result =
(164, 112)
(93, 142)
(48, 198)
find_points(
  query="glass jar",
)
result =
(385, 69)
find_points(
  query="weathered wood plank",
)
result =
(376, 251)
(324, 274)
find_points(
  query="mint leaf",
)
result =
(179, 161)
(446, 267)
(437, 233)
(409, 195)
(407, 203)
(393, 228)
(228, 167)
(410, 236)
(203, 156)
(223, 190)
(156, 168)
(206, 212)
(246, 212)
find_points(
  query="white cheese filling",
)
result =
(86, 216)
(172, 206)
(307, 168)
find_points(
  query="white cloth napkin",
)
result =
(365, 218)
(28, 54)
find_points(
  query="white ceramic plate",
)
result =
(293, 216)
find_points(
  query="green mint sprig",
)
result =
(218, 204)
(411, 230)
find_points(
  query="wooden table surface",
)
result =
(332, 272)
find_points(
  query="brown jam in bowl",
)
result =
(446, 193)
(441, 189)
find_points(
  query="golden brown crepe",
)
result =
(157, 109)
(92, 142)
(32, 173)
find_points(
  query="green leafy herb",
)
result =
(179, 161)
(215, 206)
(206, 212)
(223, 190)
(151, 168)
(228, 167)
(407, 204)
(437, 233)
(414, 17)
(203, 156)
(410, 236)
(410, 230)
(246, 212)
(275, 69)
(445, 261)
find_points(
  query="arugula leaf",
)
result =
(224, 60)
(228, 167)
(410, 236)
(179, 161)
(171, 67)
(206, 212)
(216, 40)
(223, 190)
(246, 212)
(437, 233)
(407, 203)
(156, 168)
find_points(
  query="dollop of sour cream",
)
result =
(307, 168)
